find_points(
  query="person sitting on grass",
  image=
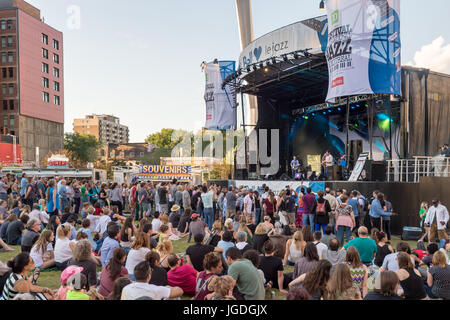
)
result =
(212, 264)
(63, 247)
(113, 271)
(296, 293)
(273, 268)
(77, 287)
(366, 247)
(315, 281)
(82, 257)
(183, 276)
(18, 281)
(110, 243)
(341, 285)
(42, 251)
(142, 288)
(148, 230)
(16, 230)
(223, 289)
(119, 284)
(438, 284)
(164, 249)
(31, 235)
(386, 287)
(196, 253)
(255, 259)
(139, 248)
(85, 227)
(159, 274)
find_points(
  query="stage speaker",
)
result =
(374, 171)
(356, 148)
(285, 177)
(337, 173)
(241, 174)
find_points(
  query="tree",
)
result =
(155, 158)
(163, 139)
(83, 147)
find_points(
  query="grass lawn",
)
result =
(51, 279)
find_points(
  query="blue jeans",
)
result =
(257, 216)
(323, 226)
(341, 230)
(429, 293)
(209, 217)
(308, 219)
(442, 244)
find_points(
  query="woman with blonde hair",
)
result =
(165, 249)
(341, 285)
(260, 238)
(295, 248)
(138, 249)
(63, 246)
(42, 251)
(82, 257)
(173, 233)
(359, 272)
(223, 288)
(216, 234)
(438, 284)
(243, 227)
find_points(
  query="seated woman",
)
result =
(127, 233)
(315, 282)
(438, 284)
(164, 249)
(308, 262)
(260, 237)
(410, 278)
(159, 274)
(182, 276)
(31, 235)
(212, 264)
(383, 248)
(63, 247)
(139, 248)
(386, 287)
(42, 251)
(113, 271)
(82, 257)
(294, 249)
(119, 284)
(341, 285)
(18, 281)
(359, 271)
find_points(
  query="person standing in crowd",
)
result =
(437, 218)
(250, 205)
(4, 187)
(353, 202)
(290, 206)
(245, 275)
(163, 201)
(308, 202)
(423, 215)
(270, 206)
(231, 203)
(116, 197)
(208, 208)
(321, 209)
(345, 220)
(333, 204)
(377, 211)
(63, 197)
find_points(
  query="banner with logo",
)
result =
(165, 173)
(277, 186)
(308, 34)
(220, 103)
(364, 47)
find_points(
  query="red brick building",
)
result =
(31, 80)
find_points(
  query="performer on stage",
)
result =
(327, 164)
(294, 166)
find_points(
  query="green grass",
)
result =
(51, 279)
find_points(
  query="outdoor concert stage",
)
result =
(405, 197)
(286, 70)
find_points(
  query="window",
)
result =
(57, 102)
(11, 104)
(10, 57)
(45, 67)
(4, 89)
(3, 25)
(55, 58)
(4, 72)
(55, 44)
(4, 56)
(5, 121)
(11, 72)
(44, 38)
(132, 155)
(45, 97)
(45, 82)
(11, 88)
(56, 86)
(11, 121)
(10, 24)
(3, 42)
(5, 104)
(141, 154)
(44, 53)
(10, 41)
(56, 72)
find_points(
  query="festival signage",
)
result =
(359, 166)
(220, 102)
(57, 161)
(165, 173)
(364, 48)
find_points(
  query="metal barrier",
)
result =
(410, 170)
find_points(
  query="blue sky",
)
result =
(140, 59)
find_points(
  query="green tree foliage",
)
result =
(83, 147)
(163, 139)
(156, 156)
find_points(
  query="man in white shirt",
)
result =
(141, 288)
(249, 205)
(321, 247)
(333, 204)
(103, 222)
(437, 218)
(156, 223)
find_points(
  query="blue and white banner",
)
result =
(220, 103)
(278, 186)
(364, 47)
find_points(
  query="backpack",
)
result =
(320, 209)
(366, 204)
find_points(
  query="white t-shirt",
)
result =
(94, 220)
(36, 254)
(62, 250)
(134, 258)
(321, 248)
(142, 289)
(102, 224)
(156, 224)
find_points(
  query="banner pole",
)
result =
(245, 131)
(347, 145)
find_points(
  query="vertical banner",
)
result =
(220, 103)
(364, 47)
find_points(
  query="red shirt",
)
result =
(97, 211)
(184, 277)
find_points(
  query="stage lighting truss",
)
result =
(274, 63)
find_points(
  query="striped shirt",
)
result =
(8, 291)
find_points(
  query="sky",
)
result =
(140, 59)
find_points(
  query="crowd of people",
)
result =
(242, 241)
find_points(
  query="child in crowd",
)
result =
(65, 275)
(84, 213)
(77, 285)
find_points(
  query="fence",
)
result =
(410, 170)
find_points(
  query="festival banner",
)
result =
(220, 103)
(165, 173)
(277, 186)
(364, 47)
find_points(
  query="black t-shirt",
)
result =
(184, 221)
(65, 217)
(194, 201)
(174, 219)
(252, 228)
(162, 193)
(159, 277)
(153, 243)
(197, 253)
(258, 242)
(89, 270)
(270, 266)
(290, 203)
(14, 232)
(378, 296)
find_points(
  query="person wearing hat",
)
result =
(174, 217)
(437, 218)
(65, 275)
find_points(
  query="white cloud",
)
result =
(434, 56)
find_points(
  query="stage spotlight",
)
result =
(353, 107)
(357, 105)
(313, 114)
(306, 117)
(322, 5)
(329, 110)
(255, 67)
(339, 109)
(325, 113)
(266, 69)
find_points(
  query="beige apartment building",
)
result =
(105, 128)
